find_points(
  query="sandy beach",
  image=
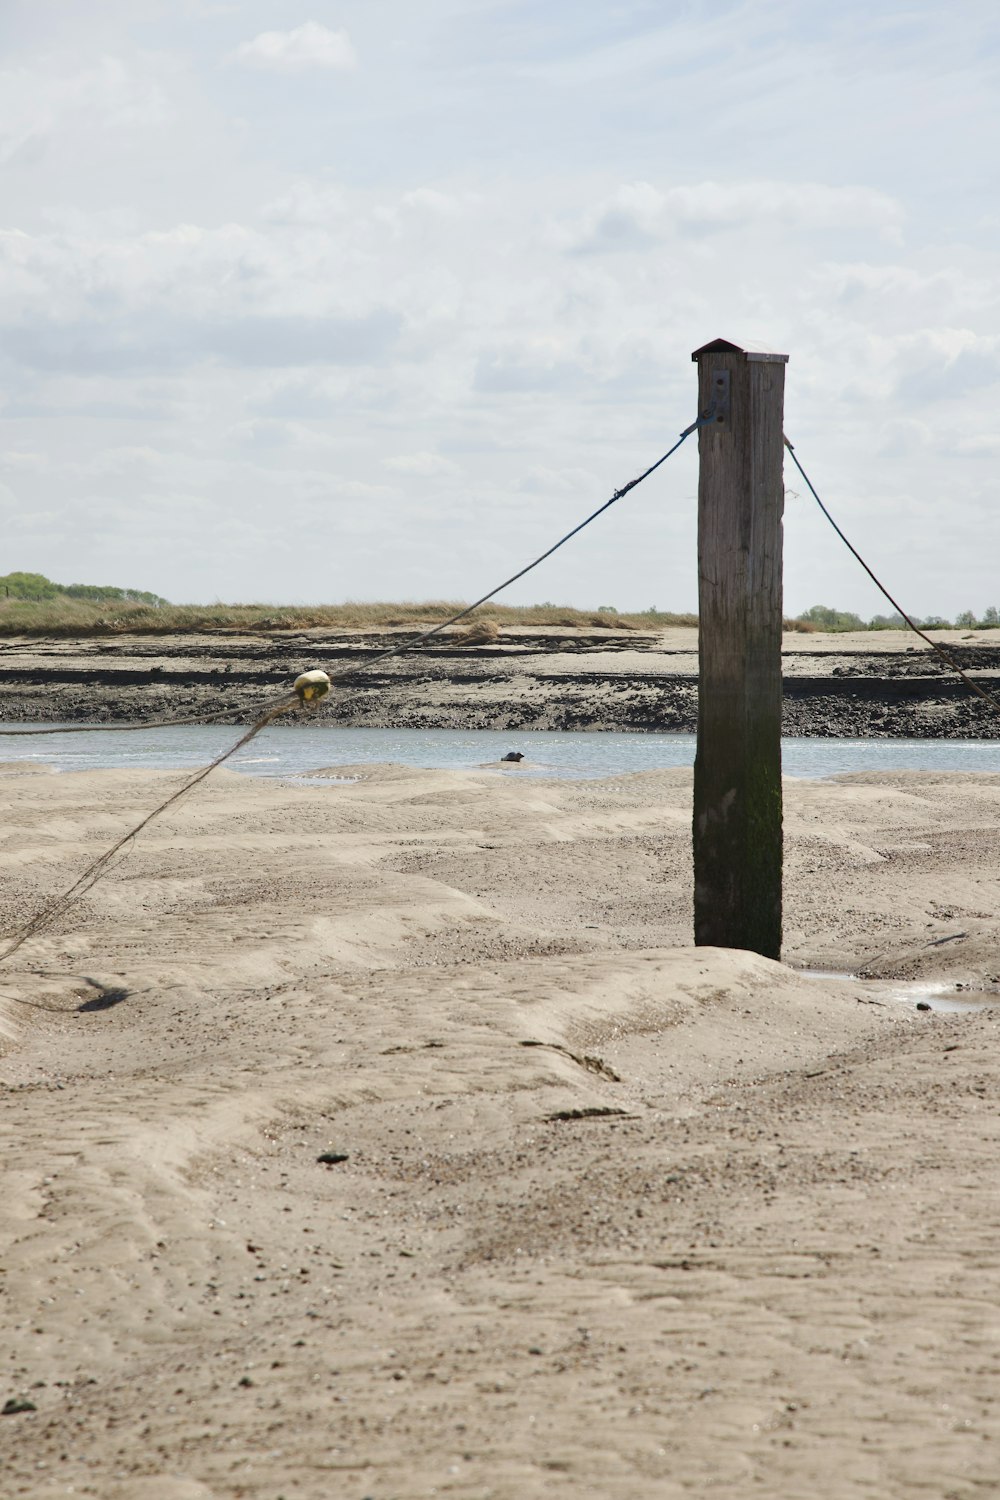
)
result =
(389, 1139)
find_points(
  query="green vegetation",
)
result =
(820, 617)
(36, 587)
(29, 586)
(31, 604)
(989, 621)
(64, 614)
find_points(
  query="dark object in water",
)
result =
(512, 755)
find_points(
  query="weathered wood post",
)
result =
(737, 769)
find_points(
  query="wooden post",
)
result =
(737, 770)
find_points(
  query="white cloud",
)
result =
(798, 205)
(430, 200)
(162, 300)
(302, 398)
(526, 372)
(306, 204)
(270, 432)
(638, 215)
(542, 481)
(310, 307)
(421, 463)
(23, 462)
(125, 460)
(110, 93)
(307, 46)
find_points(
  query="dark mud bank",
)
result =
(541, 679)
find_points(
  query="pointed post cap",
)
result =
(752, 352)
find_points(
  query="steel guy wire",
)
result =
(404, 646)
(950, 661)
(99, 866)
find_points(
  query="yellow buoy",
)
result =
(311, 686)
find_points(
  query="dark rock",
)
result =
(15, 1404)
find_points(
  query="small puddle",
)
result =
(924, 994)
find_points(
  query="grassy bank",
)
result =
(76, 617)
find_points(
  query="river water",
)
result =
(288, 751)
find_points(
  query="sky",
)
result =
(376, 299)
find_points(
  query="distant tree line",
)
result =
(37, 587)
(820, 617)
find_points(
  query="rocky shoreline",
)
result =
(878, 685)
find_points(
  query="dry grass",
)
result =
(74, 617)
(480, 633)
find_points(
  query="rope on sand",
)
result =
(308, 688)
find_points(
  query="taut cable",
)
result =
(934, 645)
(98, 867)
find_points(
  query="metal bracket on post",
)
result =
(718, 410)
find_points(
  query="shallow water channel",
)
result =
(932, 995)
(291, 750)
